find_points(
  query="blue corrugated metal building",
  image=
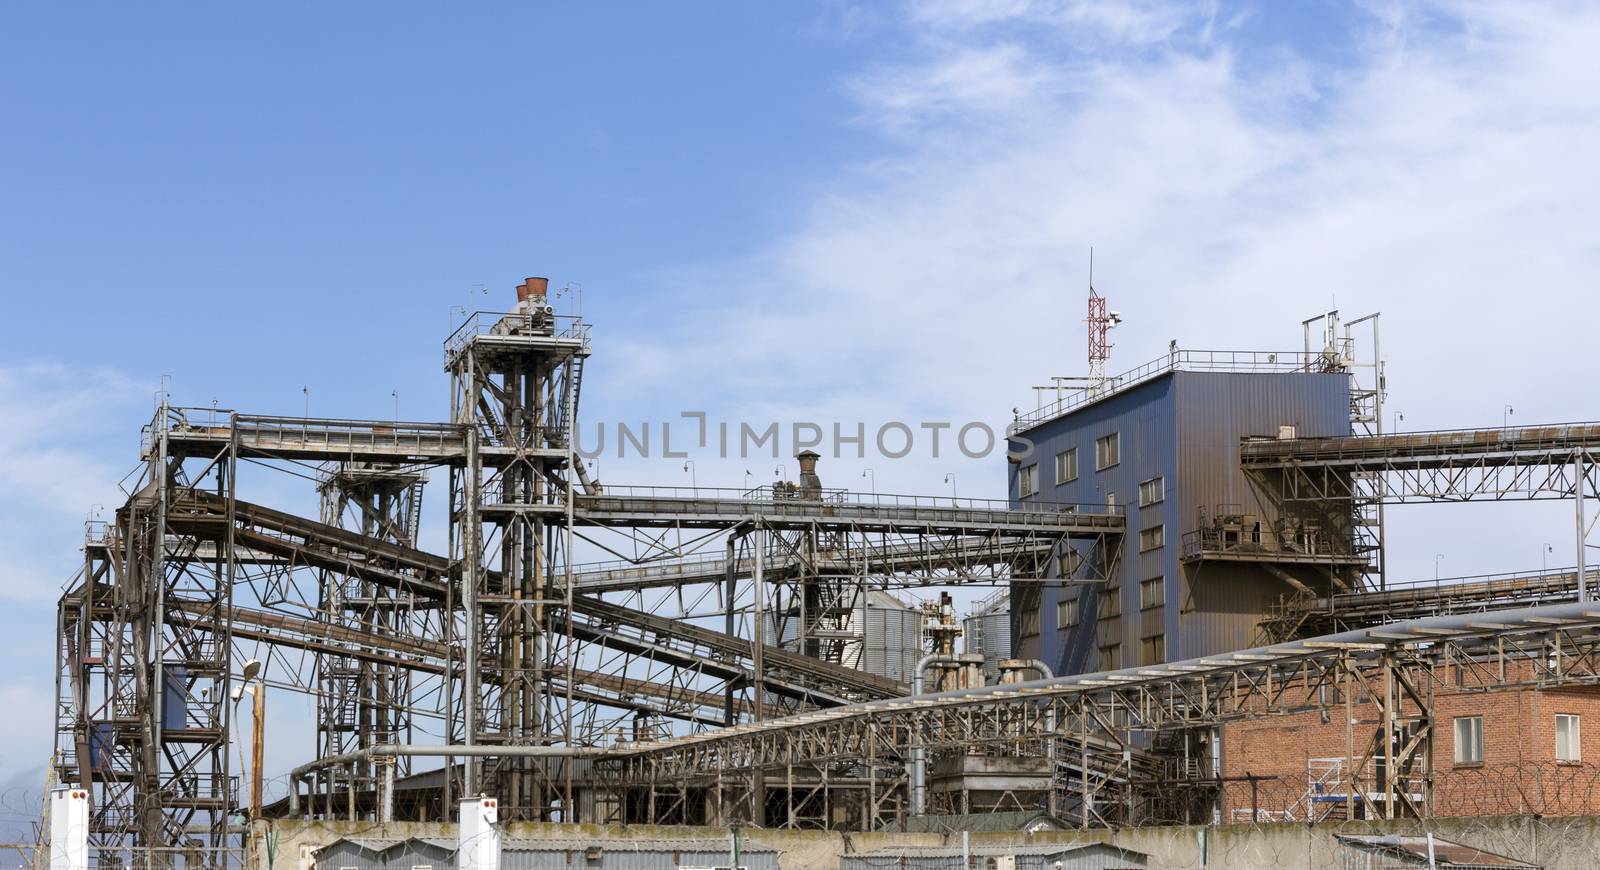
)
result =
(1205, 553)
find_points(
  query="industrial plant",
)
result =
(1185, 638)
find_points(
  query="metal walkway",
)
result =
(1306, 616)
(646, 507)
(1521, 462)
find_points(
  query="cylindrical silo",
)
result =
(891, 636)
(987, 632)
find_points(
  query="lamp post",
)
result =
(1506, 413)
(951, 479)
(1437, 557)
(257, 689)
(870, 474)
(689, 467)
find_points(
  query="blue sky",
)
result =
(775, 211)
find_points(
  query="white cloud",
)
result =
(1444, 175)
(62, 427)
(65, 428)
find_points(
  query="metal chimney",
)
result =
(810, 484)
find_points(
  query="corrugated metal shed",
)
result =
(630, 854)
(618, 853)
(1083, 856)
(368, 853)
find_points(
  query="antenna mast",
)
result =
(1100, 322)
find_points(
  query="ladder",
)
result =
(414, 515)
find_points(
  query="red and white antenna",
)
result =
(1101, 321)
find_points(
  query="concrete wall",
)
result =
(1557, 843)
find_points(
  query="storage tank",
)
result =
(885, 636)
(987, 630)
(891, 636)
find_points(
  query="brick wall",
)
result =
(1284, 756)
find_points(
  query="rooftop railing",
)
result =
(1269, 362)
(563, 326)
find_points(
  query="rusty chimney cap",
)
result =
(808, 454)
(533, 287)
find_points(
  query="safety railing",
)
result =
(1213, 541)
(1522, 439)
(781, 495)
(1183, 360)
(478, 323)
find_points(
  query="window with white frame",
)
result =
(1066, 613)
(1152, 593)
(1107, 451)
(1152, 491)
(1469, 740)
(1027, 480)
(1067, 466)
(1568, 747)
(1152, 537)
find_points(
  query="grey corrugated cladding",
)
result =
(371, 854)
(989, 635)
(518, 854)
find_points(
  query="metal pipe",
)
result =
(919, 759)
(1578, 480)
(1044, 670)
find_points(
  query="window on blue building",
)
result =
(1066, 613)
(1107, 451)
(1152, 593)
(1067, 563)
(1152, 491)
(1152, 537)
(1153, 650)
(1027, 481)
(1066, 466)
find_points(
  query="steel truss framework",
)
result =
(1532, 462)
(505, 641)
(722, 608)
(1309, 615)
(1326, 479)
(849, 767)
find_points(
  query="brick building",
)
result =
(1516, 751)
